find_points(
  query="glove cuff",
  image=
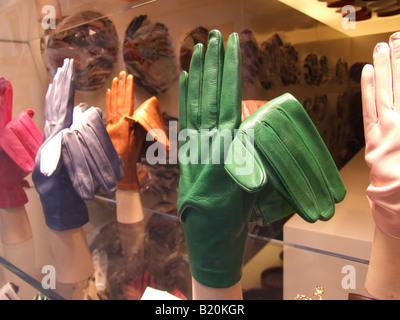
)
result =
(385, 207)
(127, 183)
(13, 197)
(386, 220)
(215, 259)
(65, 216)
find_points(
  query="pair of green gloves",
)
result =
(270, 165)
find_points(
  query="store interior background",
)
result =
(21, 63)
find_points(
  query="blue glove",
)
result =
(62, 206)
(88, 153)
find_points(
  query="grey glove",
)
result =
(88, 153)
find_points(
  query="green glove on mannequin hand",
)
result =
(292, 166)
(214, 209)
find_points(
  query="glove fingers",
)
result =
(195, 83)
(244, 164)
(280, 127)
(149, 116)
(394, 43)
(29, 135)
(287, 176)
(98, 162)
(129, 91)
(383, 79)
(55, 95)
(76, 165)
(65, 93)
(272, 206)
(59, 100)
(313, 142)
(368, 97)
(21, 140)
(112, 99)
(110, 120)
(99, 142)
(121, 94)
(6, 96)
(12, 144)
(231, 92)
(48, 114)
(250, 106)
(212, 81)
(183, 89)
(49, 155)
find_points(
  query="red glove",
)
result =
(6, 95)
(21, 139)
(19, 143)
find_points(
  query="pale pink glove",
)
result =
(381, 108)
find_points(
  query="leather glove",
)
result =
(62, 206)
(127, 128)
(19, 143)
(88, 153)
(293, 169)
(250, 106)
(380, 86)
(6, 96)
(214, 210)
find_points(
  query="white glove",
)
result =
(381, 108)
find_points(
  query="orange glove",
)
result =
(250, 106)
(127, 128)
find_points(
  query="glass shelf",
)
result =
(153, 253)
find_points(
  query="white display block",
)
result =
(347, 237)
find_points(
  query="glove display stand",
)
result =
(385, 255)
(15, 225)
(129, 206)
(72, 258)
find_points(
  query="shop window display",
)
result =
(127, 78)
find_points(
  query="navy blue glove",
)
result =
(62, 206)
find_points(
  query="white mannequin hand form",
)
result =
(381, 108)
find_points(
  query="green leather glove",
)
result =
(293, 170)
(214, 209)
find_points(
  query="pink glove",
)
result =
(19, 143)
(6, 95)
(21, 139)
(381, 108)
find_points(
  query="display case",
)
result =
(285, 47)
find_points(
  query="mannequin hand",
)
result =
(381, 108)
(215, 211)
(293, 170)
